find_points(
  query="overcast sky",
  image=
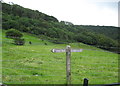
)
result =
(79, 12)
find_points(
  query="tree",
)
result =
(16, 36)
(13, 34)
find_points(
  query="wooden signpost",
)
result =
(68, 51)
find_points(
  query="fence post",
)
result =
(68, 69)
(85, 83)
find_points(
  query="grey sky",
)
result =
(80, 12)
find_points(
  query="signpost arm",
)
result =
(68, 70)
(68, 51)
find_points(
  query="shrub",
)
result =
(13, 34)
(16, 36)
(19, 41)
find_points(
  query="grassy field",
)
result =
(36, 64)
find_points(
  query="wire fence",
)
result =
(31, 75)
(43, 82)
(30, 68)
(49, 65)
(54, 62)
(90, 69)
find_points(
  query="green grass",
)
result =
(36, 64)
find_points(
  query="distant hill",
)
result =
(48, 27)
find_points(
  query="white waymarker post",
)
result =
(68, 51)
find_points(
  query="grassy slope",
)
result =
(36, 64)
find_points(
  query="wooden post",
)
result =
(85, 83)
(68, 63)
(68, 51)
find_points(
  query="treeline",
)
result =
(48, 27)
(110, 31)
(17, 10)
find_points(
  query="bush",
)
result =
(16, 36)
(19, 41)
(13, 34)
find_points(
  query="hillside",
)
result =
(36, 64)
(48, 27)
